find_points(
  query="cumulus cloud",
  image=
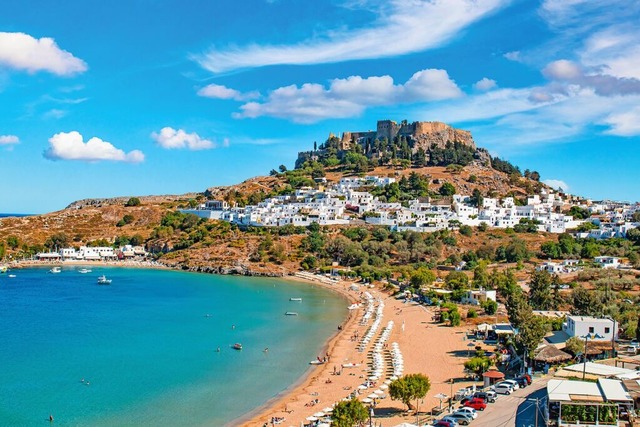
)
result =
(9, 140)
(21, 51)
(349, 97)
(170, 139)
(70, 146)
(513, 56)
(485, 84)
(402, 26)
(556, 183)
(603, 84)
(222, 92)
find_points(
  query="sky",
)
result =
(137, 97)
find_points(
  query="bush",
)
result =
(465, 230)
(489, 306)
(133, 201)
(472, 314)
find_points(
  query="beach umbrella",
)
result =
(324, 425)
(384, 386)
(328, 409)
(374, 377)
(373, 396)
(319, 414)
(387, 382)
(362, 387)
(366, 400)
(441, 397)
(393, 378)
(379, 392)
(312, 419)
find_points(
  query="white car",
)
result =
(514, 384)
(468, 411)
(502, 388)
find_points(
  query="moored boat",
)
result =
(55, 270)
(84, 271)
(295, 299)
(291, 313)
(102, 280)
(237, 346)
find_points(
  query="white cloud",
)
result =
(55, 113)
(485, 84)
(24, 52)
(556, 183)
(349, 97)
(9, 140)
(219, 92)
(170, 138)
(513, 56)
(70, 146)
(403, 26)
(603, 84)
(624, 123)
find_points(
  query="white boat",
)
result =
(55, 270)
(295, 299)
(12, 276)
(102, 280)
(84, 271)
(291, 313)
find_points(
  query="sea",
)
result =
(143, 351)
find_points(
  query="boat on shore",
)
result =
(291, 313)
(55, 270)
(102, 280)
(295, 299)
(237, 346)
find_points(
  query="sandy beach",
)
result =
(426, 347)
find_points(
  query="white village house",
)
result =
(597, 329)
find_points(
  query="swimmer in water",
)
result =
(266, 349)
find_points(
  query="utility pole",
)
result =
(536, 412)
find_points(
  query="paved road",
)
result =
(515, 410)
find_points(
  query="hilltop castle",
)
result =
(418, 135)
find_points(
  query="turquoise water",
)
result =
(148, 349)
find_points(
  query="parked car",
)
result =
(445, 423)
(476, 403)
(470, 411)
(502, 388)
(522, 382)
(514, 383)
(488, 396)
(459, 417)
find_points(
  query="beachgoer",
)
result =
(218, 350)
(266, 349)
(50, 418)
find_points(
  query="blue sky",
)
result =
(135, 97)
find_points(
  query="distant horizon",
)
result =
(217, 97)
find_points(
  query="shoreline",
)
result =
(257, 416)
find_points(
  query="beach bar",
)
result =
(580, 403)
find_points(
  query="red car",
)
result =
(476, 403)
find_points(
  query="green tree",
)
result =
(349, 413)
(478, 364)
(421, 277)
(586, 303)
(3, 249)
(58, 240)
(282, 168)
(13, 242)
(531, 332)
(410, 387)
(457, 280)
(133, 201)
(540, 296)
(447, 189)
(489, 306)
(574, 345)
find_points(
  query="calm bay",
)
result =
(143, 350)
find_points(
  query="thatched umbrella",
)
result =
(551, 354)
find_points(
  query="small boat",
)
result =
(295, 299)
(237, 346)
(55, 270)
(102, 280)
(84, 271)
(12, 276)
(291, 313)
